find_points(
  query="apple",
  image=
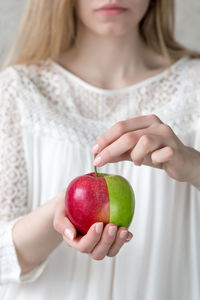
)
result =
(99, 197)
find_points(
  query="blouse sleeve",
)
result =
(13, 180)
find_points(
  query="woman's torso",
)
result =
(61, 117)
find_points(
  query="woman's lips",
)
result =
(111, 11)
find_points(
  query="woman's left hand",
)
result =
(147, 140)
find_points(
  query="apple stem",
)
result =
(95, 168)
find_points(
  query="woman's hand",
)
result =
(98, 242)
(146, 140)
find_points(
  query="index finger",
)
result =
(118, 129)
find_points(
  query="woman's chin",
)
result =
(114, 31)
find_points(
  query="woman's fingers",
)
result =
(129, 237)
(112, 152)
(65, 227)
(86, 243)
(146, 145)
(162, 155)
(136, 145)
(112, 240)
(69, 230)
(120, 128)
(99, 242)
(107, 239)
(122, 237)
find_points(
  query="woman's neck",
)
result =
(111, 62)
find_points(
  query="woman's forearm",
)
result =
(35, 237)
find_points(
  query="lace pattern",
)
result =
(64, 107)
(13, 175)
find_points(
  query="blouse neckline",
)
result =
(129, 88)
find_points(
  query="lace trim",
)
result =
(13, 173)
(54, 103)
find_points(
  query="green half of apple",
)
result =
(121, 199)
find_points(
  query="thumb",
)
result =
(62, 224)
(69, 230)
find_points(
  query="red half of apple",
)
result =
(107, 198)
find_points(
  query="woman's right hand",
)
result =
(100, 240)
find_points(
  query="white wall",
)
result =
(187, 31)
(188, 23)
(10, 12)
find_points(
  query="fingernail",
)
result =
(138, 163)
(95, 148)
(68, 233)
(123, 234)
(97, 160)
(99, 227)
(112, 230)
(129, 238)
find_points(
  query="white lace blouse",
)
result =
(49, 120)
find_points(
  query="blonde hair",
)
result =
(49, 28)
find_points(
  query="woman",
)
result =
(107, 74)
